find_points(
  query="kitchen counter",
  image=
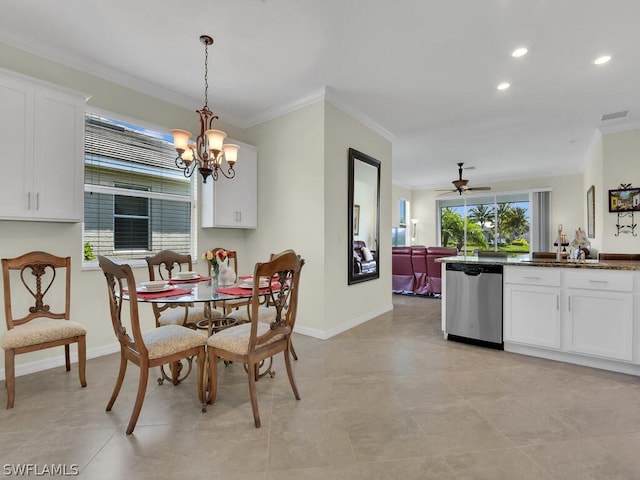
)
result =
(525, 262)
(587, 313)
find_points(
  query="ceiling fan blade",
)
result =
(479, 188)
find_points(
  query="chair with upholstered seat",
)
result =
(46, 306)
(252, 343)
(266, 314)
(163, 266)
(162, 345)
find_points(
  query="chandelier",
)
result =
(208, 152)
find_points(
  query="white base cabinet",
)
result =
(532, 306)
(599, 314)
(42, 158)
(233, 203)
(532, 315)
(584, 316)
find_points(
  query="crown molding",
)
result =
(314, 97)
(624, 127)
(106, 73)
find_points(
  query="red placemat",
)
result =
(174, 292)
(189, 280)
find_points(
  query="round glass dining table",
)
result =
(194, 292)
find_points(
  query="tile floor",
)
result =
(389, 399)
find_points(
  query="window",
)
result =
(399, 234)
(131, 220)
(403, 213)
(137, 202)
(503, 222)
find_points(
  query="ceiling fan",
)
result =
(461, 184)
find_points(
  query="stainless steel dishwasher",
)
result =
(474, 304)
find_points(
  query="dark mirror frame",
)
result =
(356, 156)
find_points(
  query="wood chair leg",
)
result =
(202, 367)
(116, 389)
(253, 394)
(82, 359)
(213, 378)
(10, 376)
(293, 351)
(67, 357)
(142, 390)
(287, 362)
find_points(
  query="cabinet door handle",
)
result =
(29, 201)
(240, 215)
(598, 281)
(532, 278)
(38, 201)
(557, 302)
(569, 298)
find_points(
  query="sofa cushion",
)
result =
(401, 270)
(368, 256)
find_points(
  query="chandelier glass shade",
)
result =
(209, 151)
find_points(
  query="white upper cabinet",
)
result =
(42, 158)
(233, 203)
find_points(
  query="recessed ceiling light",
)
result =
(519, 52)
(601, 60)
(503, 86)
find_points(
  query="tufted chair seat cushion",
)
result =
(265, 315)
(236, 339)
(175, 316)
(169, 339)
(41, 330)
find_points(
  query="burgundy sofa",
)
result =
(415, 270)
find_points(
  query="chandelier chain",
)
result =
(206, 75)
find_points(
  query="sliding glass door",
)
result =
(499, 223)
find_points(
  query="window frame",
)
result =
(191, 199)
(468, 202)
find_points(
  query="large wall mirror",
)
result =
(364, 217)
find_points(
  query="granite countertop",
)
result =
(526, 262)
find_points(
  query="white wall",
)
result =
(621, 164)
(594, 175)
(348, 305)
(291, 203)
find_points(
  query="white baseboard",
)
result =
(58, 361)
(326, 334)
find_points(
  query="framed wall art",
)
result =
(624, 200)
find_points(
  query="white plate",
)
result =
(143, 289)
(250, 285)
(191, 276)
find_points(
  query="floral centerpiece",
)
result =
(216, 258)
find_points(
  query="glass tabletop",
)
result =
(197, 292)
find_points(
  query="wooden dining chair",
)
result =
(162, 345)
(37, 312)
(252, 343)
(162, 266)
(266, 314)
